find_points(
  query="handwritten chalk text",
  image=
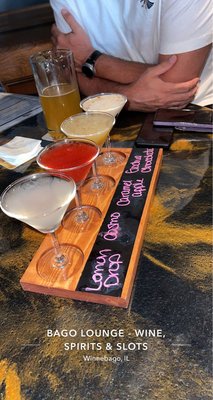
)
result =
(131, 189)
(149, 153)
(134, 165)
(113, 227)
(109, 263)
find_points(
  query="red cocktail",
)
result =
(73, 158)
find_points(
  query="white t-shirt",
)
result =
(140, 30)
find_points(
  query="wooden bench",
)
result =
(22, 33)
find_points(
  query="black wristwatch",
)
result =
(88, 68)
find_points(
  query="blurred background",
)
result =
(7, 5)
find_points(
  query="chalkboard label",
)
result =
(107, 265)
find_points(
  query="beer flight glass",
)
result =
(41, 200)
(73, 158)
(94, 126)
(111, 103)
(57, 86)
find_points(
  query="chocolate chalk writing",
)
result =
(148, 156)
(135, 165)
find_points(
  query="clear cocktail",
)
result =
(41, 200)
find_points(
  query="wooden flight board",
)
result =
(111, 249)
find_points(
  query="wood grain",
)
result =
(23, 33)
(31, 281)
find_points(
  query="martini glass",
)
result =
(73, 158)
(41, 200)
(94, 126)
(111, 103)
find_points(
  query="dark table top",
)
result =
(170, 304)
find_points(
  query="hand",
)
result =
(77, 41)
(151, 92)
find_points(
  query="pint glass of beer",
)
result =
(56, 83)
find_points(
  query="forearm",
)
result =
(117, 70)
(95, 85)
(143, 94)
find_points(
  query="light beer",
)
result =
(59, 102)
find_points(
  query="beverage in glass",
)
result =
(73, 158)
(111, 103)
(57, 86)
(94, 126)
(41, 200)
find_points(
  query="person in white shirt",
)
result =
(157, 53)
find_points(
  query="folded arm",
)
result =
(107, 67)
(146, 87)
(174, 87)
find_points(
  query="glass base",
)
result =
(101, 184)
(111, 158)
(52, 268)
(82, 219)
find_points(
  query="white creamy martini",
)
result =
(111, 103)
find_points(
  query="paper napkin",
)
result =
(19, 150)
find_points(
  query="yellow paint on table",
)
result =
(176, 234)
(181, 145)
(9, 376)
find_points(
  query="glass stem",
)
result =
(108, 144)
(94, 170)
(108, 155)
(78, 198)
(97, 183)
(82, 215)
(59, 260)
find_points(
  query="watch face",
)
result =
(88, 70)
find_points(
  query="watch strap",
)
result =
(93, 57)
(88, 68)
